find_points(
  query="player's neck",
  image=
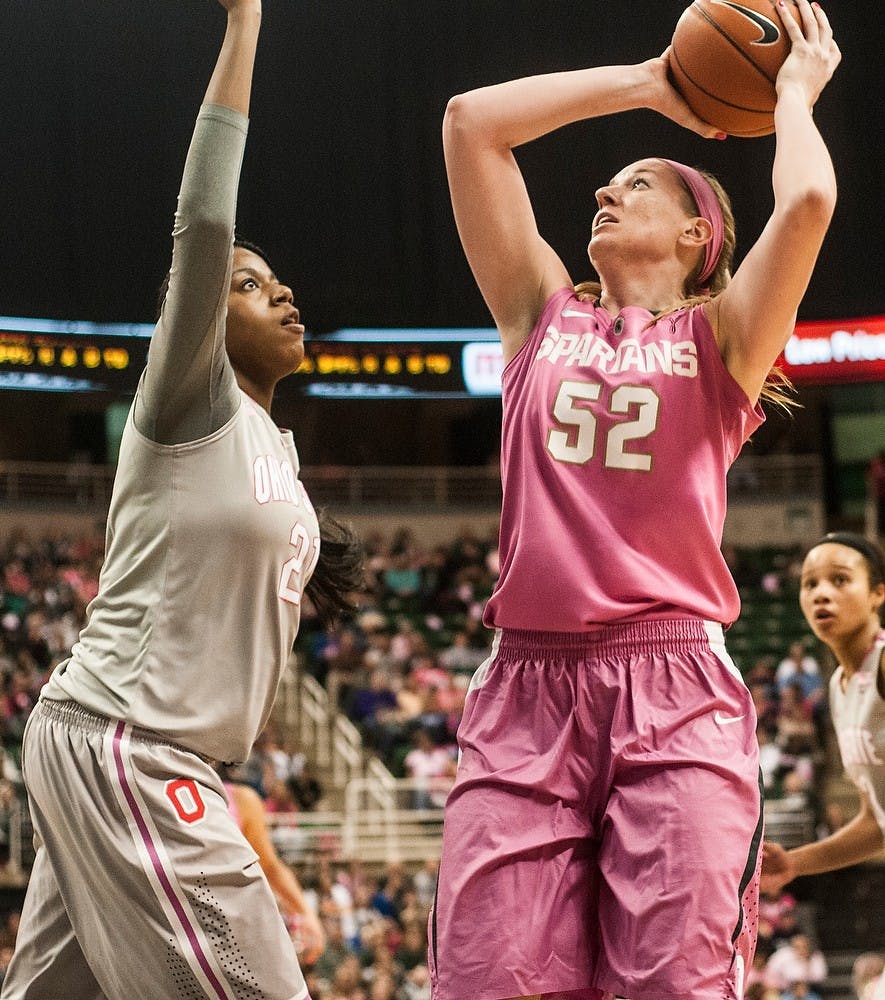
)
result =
(851, 651)
(260, 394)
(656, 292)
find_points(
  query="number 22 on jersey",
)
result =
(575, 439)
(293, 567)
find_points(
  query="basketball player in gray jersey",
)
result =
(143, 886)
(842, 594)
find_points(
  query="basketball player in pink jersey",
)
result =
(143, 887)
(602, 837)
(842, 594)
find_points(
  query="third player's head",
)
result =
(842, 590)
(665, 214)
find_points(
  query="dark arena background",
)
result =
(396, 412)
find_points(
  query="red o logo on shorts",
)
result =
(185, 796)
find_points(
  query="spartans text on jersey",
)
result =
(587, 350)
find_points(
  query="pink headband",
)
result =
(708, 208)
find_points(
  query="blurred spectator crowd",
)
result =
(791, 704)
(376, 931)
(45, 586)
(788, 965)
(400, 670)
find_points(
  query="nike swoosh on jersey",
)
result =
(575, 312)
(770, 31)
(726, 720)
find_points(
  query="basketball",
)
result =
(724, 61)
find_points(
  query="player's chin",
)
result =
(286, 358)
(600, 242)
(825, 628)
(295, 354)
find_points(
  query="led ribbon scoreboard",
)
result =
(73, 356)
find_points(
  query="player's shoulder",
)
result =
(245, 797)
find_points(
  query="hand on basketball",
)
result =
(814, 55)
(777, 868)
(666, 100)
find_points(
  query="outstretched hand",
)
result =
(777, 868)
(233, 5)
(666, 99)
(814, 55)
(313, 937)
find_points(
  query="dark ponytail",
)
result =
(339, 573)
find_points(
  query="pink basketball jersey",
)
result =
(617, 437)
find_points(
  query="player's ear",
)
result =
(698, 231)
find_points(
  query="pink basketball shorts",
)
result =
(603, 834)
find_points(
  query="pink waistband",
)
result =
(661, 634)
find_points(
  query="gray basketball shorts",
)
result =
(143, 885)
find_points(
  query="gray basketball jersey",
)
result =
(858, 711)
(210, 538)
(210, 545)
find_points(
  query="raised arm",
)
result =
(231, 82)
(516, 270)
(188, 388)
(755, 315)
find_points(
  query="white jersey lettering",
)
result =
(587, 350)
(573, 440)
(274, 480)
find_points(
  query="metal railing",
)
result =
(307, 836)
(71, 485)
(348, 756)
(788, 824)
(775, 477)
(401, 820)
(313, 724)
(88, 487)
(331, 741)
(426, 488)
(383, 820)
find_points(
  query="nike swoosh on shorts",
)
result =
(726, 720)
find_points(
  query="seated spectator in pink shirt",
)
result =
(796, 962)
(428, 763)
